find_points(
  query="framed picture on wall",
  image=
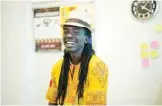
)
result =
(47, 29)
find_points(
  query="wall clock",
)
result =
(144, 9)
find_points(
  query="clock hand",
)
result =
(144, 8)
(146, 3)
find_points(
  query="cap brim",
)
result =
(77, 24)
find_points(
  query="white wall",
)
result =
(12, 19)
(25, 73)
(129, 82)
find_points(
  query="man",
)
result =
(80, 77)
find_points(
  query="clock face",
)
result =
(144, 9)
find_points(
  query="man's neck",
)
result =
(75, 58)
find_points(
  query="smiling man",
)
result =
(80, 77)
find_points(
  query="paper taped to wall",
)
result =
(144, 47)
(158, 28)
(154, 44)
(145, 62)
(154, 54)
(144, 55)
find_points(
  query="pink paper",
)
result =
(145, 62)
(154, 44)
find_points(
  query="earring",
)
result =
(86, 41)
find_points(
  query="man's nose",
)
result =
(69, 35)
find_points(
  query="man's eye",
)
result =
(66, 32)
(76, 31)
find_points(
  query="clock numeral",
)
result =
(135, 3)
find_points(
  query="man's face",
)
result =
(74, 38)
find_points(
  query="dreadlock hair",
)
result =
(63, 79)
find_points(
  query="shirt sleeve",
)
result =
(52, 88)
(98, 84)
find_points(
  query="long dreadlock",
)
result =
(63, 80)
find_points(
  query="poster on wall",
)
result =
(47, 29)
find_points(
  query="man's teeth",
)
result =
(70, 42)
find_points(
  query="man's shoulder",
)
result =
(97, 64)
(98, 70)
(96, 60)
(57, 67)
(58, 63)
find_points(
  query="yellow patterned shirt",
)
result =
(95, 89)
